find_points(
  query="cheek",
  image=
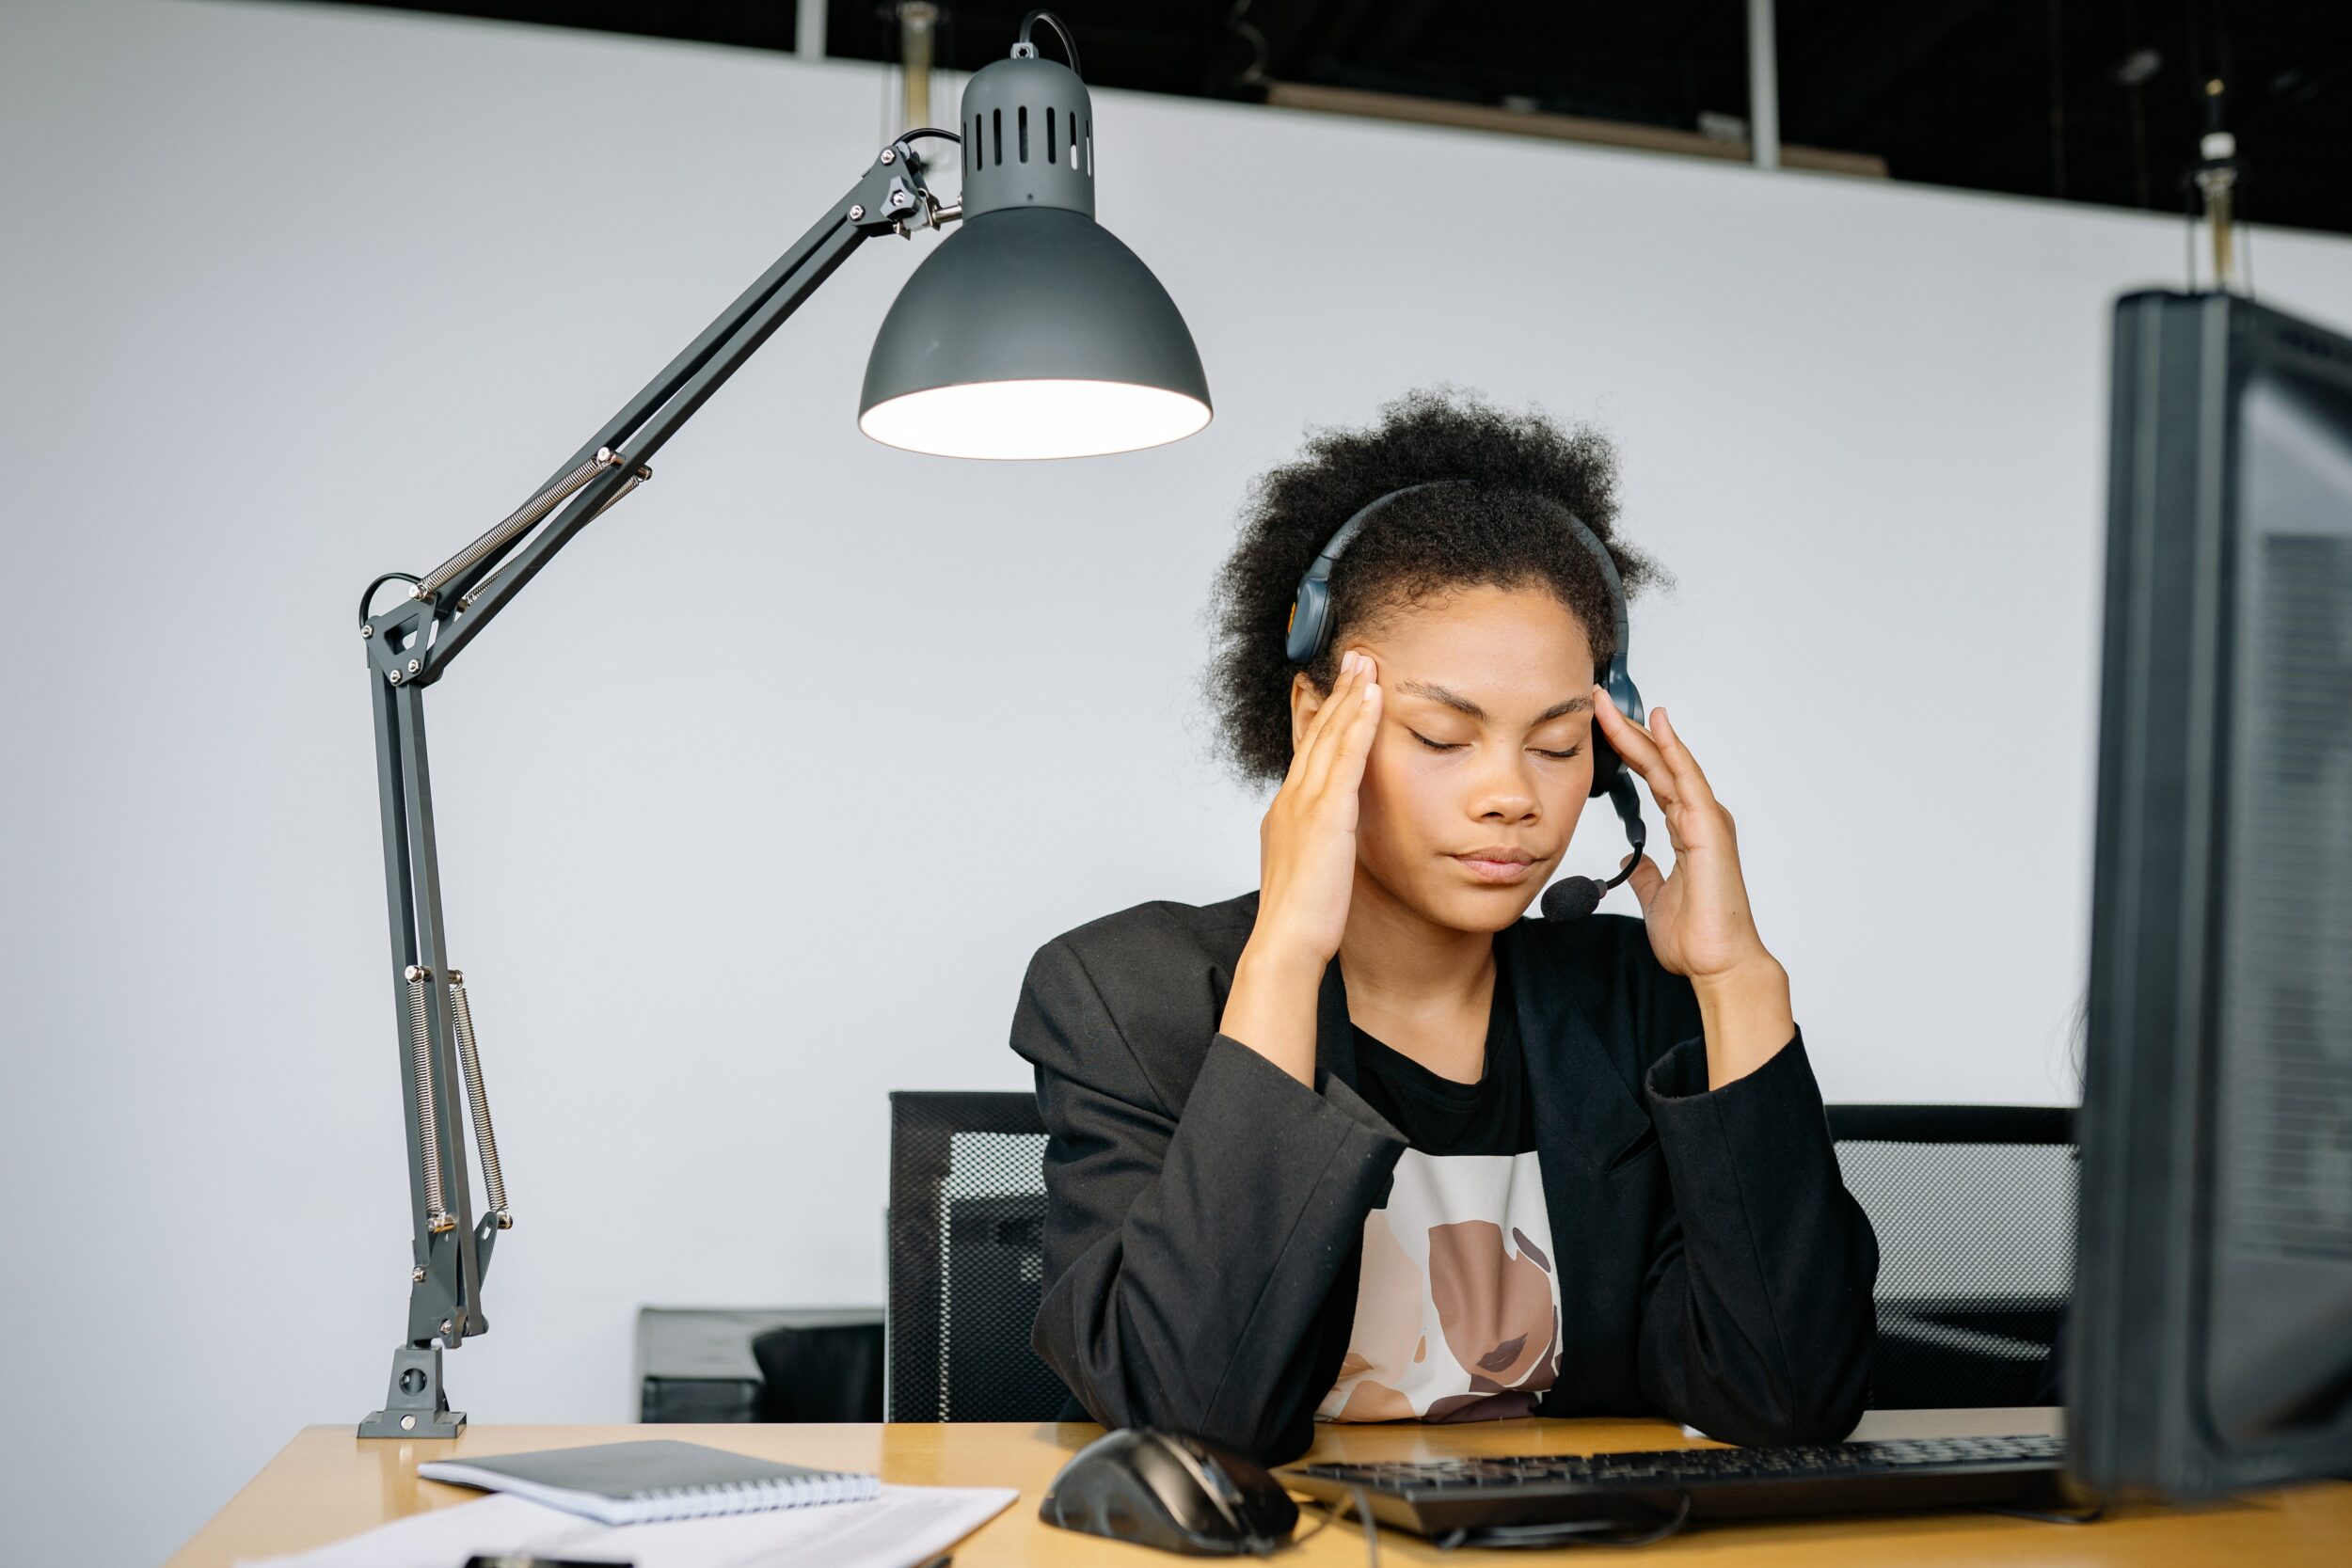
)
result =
(1403, 798)
(1382, 793)
(1564, 799)
(1564, 787)
(1393, 780)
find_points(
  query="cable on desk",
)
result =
(2040, 1516)
(1331, 1515)
(1570, 1533)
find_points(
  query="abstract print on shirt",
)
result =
(1458, 1299)
(1458, 1306)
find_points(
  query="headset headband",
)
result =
(1309, 626)
(1311, 629)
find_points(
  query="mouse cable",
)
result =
(1567, 1533)
(1332, 1514)
(2042, 1516)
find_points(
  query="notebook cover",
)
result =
(621, 1470)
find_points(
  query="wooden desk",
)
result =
(328, 1483)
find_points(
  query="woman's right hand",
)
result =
(1306, 874)
(1307, 842)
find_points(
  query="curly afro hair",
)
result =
(1494, 531)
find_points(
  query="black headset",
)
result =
(1309, 630)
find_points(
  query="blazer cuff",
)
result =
(1754, 1135)
(1232, 1068)
(1681, 1074)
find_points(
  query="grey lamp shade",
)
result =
(1031, 331)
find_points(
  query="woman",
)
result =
(1366, 1144)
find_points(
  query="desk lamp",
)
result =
(1028, 333)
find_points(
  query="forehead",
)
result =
(1513, 644)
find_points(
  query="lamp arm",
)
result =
(408, 646)
(453, 602)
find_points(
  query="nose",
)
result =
(1505, 790)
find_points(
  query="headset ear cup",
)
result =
(1627, 699)
(1305, 638)
(1606, 766)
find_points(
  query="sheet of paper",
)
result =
(902, 1527)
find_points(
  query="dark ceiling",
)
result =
(2098, 101)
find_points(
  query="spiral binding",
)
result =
(702, 1502)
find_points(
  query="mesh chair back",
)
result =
(1973, 1206)
(967, 1260)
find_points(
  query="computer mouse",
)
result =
(1168, 1490)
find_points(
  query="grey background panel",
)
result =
(293, 295)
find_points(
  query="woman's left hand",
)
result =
(1698, 918)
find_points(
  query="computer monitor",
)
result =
(2209, 1341)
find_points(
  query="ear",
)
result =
(1305, 702)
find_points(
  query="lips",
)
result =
(1497, 864)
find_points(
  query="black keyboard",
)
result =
(1505, 1495)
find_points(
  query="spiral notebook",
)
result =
(629, 1483)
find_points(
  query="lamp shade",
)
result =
(1031, 331)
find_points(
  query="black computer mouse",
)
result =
(1166, 1490)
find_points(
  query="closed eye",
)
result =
(1457, 745)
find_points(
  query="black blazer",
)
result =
(1205, 1210)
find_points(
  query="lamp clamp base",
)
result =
(417, 1405)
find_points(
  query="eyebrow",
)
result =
(1463, 704)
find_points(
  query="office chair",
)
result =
(966, 1260)
(759, 1364)
(1973, 1206)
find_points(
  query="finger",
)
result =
(1319, 723)
(1687, 783)
(1346, 711)
(1355, 741)
(1302, 755)
(1339, 764)
(1638, 748)
(1645, 882)
(1678, 757)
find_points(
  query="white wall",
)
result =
(742, 827)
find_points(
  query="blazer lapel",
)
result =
(1335, 1035)
(1587, 1119)
(1584, 1104)
(1584, 1108)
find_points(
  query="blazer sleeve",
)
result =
(1189, 1249)
(1758, 1318)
